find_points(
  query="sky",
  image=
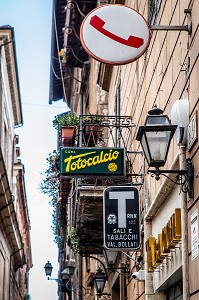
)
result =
(37, 138)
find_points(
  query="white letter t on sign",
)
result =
(121, 197)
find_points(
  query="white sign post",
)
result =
(115, 34)
(194, 235)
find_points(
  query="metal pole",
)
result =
(149, 291)
(80, 278)
(170, 27)
(1, 84)
(184, 218)
(122, 284)
(187, 28)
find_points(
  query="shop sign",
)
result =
(192, 134)
(158, 249)
(121, 218)
(115, 34)
(92, 161)
(194, 235)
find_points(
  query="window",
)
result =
(153, 9)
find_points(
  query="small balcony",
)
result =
(98, 132)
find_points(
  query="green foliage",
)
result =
(66, 119)
(74, 240)
(59, 224)
(50, 184)
(27, 297)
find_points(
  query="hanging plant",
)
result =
(74, 241)
(50, 184)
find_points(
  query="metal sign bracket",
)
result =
(187, 28)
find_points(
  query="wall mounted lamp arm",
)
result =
(130, 257)
(96, 258)
(185, 178)
(55, 279)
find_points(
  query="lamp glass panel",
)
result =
(145, 148)
(99, 284)
(65, 276)
(69, 270)
(158, 143)
(157, 120)
(48, 268)
(111, 256)
(99, 281)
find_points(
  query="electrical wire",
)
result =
(40, 105)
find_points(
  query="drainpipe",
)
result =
(80, 120)
(1, 104)
(122, 283)
(149, 291)
(184, 218)
(10, 280)
(80, 278)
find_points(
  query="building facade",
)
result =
(165, 76)
(15, 246)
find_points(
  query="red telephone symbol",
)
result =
(132, 41)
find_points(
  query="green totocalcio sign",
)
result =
(92, 161)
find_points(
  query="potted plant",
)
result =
(62, 55)
(91, 130)
(66, 124)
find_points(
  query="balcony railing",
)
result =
(113, 131)
(104, 131)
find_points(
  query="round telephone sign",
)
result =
(115, 34)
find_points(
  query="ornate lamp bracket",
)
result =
(185, 178)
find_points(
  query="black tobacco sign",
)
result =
(121, 218)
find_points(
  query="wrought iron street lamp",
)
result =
(48, 268)
(99, 281)
(155, 138)
(70, 268)
(100, 277)
(110, 257)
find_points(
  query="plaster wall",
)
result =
(169, 70)
(4, 268)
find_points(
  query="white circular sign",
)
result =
(115, 34)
